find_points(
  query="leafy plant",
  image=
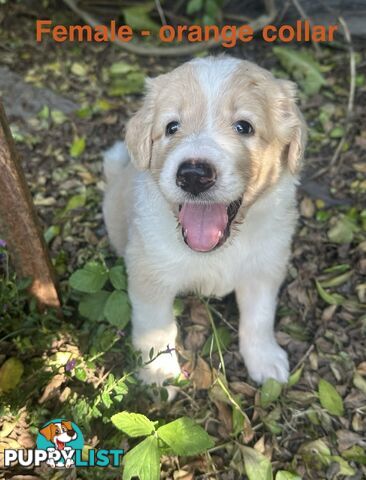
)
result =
(303, 67)
(179, 437)
(209, 11)
(98, 303)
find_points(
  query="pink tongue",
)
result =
(203, 224)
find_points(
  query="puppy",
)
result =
(207, 203)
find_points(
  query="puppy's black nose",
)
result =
(195, 176)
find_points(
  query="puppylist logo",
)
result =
(60, 445)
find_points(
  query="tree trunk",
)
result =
(19, 224)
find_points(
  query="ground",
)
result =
(71, 365)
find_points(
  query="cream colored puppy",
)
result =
(207, 203)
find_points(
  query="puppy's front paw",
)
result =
(265, 360)
(163, 367)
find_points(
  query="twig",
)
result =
(215, 336)
(352, 88)
(303, 358)
(237, 18)
(351, 99)
(160, 12)
(256, 25)
(304, 16)
(223, 319)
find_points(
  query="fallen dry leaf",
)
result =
(243, 388)
(200, 373)
(225, 416)
(198, 313)
(52, 389)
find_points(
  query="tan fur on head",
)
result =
(138, 135)
(289, 111)
(180, 94)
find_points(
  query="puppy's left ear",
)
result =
(294, 127)
(139, 131)
(48, 432)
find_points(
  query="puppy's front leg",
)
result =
(153, 326)
(264, 358)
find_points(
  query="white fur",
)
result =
(160, 265)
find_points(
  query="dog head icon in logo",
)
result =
(60, 438)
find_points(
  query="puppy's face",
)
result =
(216, 133)
(59, 433)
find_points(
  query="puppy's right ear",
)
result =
(139, 131)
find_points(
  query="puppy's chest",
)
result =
(209, 276)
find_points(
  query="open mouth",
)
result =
(60, 445)
(206, 226)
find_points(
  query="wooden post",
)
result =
(19, 225)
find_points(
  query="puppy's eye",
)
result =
(243, 127)
(171, 128)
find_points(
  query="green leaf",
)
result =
(44, 113)
(257, 466)
(223, 337)
(138, 18)
(295, 377)
(121, 388)
(344, 468)
(185, 437)
(133, 424)
(359, 382)
(270, 391)
(89, 279)
(342, 231)
(178, 307)
(284, 475)
(194, 6)
(355, 454)
(11, 372)
(239, 421)
(301, 65)
(121, 68)
(271, 421)
(315, 453)
(79, 69)
(77, 147)
(330, 398)
(92, 305)
(336, 281)
(58, 117)
(337, 132)
(118, 278)
(51, 233)
(340, 268)
(106, 399)
(102, 105)
(331, 299)
(117, 309)
(84, 112)
(133, 82)
(76, 201)
(80, 374)
(143, 461)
